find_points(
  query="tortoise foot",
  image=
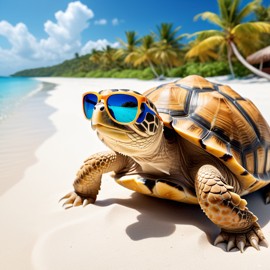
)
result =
(73, 199)
(253, 237)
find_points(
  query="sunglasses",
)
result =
(123, 108)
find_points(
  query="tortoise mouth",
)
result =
(110, 128)
(113, 135)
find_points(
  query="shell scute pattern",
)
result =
(218, 119)
(150, 123)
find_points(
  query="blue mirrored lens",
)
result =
(89, 102)
(123, 108)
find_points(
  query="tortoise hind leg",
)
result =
(227, 210)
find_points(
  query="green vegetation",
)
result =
(234, 36)
(161, 53)
(69, 68)
(208, 69)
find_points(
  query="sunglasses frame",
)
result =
(140, 99)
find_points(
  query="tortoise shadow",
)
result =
(158, 218)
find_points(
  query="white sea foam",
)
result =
(15, 91)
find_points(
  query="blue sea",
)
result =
(13, 91)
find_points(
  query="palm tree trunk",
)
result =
(152, 68)
(261, 65)
(162, 70)
(229, 55)
(247, 65)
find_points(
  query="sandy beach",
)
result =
(43, 145)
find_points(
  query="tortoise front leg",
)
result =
(227, 210)
(88, 180)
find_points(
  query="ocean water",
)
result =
(13, 91)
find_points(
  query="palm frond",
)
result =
(262, 13)
(120, 53)
(132, 39)
(201, 35)
(223, 9)
(147, 41)
(244, 33)
(251, 28)
(233, 11)
(246, 47)
(177, 29)
(130, 58)
(206, 48)
(166, 32)
(247, 10)
(122, 42)
(209, 16)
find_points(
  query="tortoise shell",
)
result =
(219, 120)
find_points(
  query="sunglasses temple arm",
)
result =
(156, 113)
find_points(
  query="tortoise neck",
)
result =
(161, 151)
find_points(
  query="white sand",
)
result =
(123, 230)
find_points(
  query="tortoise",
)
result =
(191, 141)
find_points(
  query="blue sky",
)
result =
(36, 33)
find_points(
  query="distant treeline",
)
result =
(83, 68)
(161, 53)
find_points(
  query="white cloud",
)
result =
(63, 40)
(64, 35)
(21, 41)
(100, 22)
(116, 21)
(98, 45)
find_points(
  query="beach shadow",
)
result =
(21, 135)
(158, 218)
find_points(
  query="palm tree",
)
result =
(234, 36)
(105, 58)
(144, 54)
(167, 55)
(166, 32)
(108, 58)
(128, 47)
(95, 56)
(262, 13)
(205, 50)
(167, 48)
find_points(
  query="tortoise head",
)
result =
(126, 121)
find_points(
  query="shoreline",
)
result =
(151, 233)
(22, 132)
(41, 87)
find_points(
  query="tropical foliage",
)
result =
(161, 53)
(262, 13)
(234, 35)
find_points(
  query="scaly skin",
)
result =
(88, 180)
(151, 149)
(227, 210)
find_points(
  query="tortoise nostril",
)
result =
(99, 107)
